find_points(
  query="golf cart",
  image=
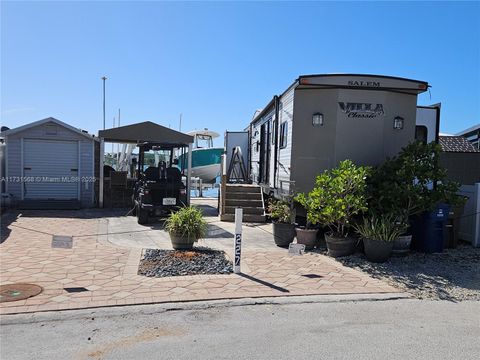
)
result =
(161, 186)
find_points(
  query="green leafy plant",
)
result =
(404, 185)
(338, 195)
(383, 228)
(280, 211)
(188, 222)
(311, 207)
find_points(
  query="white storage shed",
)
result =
(49, 164)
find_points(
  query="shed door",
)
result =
(50, 168)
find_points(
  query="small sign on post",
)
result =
(296, 249)
(238, 239)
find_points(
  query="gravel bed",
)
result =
(452, 275)
(163, 263)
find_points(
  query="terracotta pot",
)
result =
(181, 243)
(307, 237)
(401, 245)
(377, 250)
(283, 234)
(340, 246)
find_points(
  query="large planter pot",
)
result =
(181, 243)
(283, 234)
(338, 247)
(401, 245)
(320, 241)
(307, 237)
(377, 250)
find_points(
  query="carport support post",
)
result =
(189, 172)
(476, 221)
(101, 163)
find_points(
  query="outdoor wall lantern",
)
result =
(398, 123)
(317, 119)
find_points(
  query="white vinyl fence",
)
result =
(470, 220)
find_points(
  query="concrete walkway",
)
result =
(107, 247)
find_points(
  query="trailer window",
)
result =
(283, 135)
(421, 133)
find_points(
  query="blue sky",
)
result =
(217, 62)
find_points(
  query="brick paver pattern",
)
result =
(109, 272)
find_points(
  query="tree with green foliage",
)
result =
(338, 195)
(404, 185)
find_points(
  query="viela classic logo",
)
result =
(361, 110)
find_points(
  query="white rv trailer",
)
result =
(321, 120)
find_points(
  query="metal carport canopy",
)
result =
(146, 131)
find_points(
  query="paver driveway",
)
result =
(106, 250)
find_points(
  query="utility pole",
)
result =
(113, 148)
(180, 126)
(118, 145)
(104, 78)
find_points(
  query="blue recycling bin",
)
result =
(428, 230)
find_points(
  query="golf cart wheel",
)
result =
(142, 215)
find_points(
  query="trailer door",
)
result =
(265, 152)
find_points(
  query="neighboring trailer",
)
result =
(2, 166)
(321, 120)
(428, 123)
(48, 161)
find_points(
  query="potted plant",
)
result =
(283, 226)
(185, 227)
(404, 186)
(379, 234)
(339, 194)
(308, 235)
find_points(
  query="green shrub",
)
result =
(188, 222)
(338, 195)
(311, 206)
(403, 185)
(384, 228)
(280, 211)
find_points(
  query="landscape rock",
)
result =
(163, 263)
(451, 275)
